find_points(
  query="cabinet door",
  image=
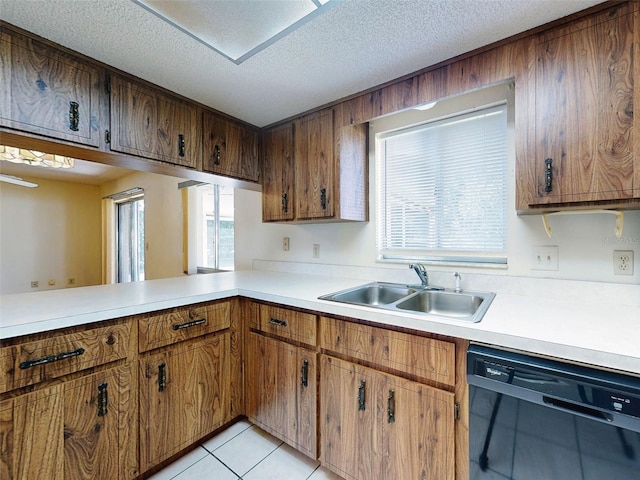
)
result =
(47, 92)
(230, 148)
(418, 431)
(78, 429)
(150, 124)
(314, 160)
(278, 174)
(281, 391)
(351, 441)
(584, 112)
(184, 395)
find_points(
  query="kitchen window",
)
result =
(129, 235)
(210, 228)
(442, 189)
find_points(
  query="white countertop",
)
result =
(585, 330)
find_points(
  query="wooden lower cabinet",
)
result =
(281, 391)
(376, 425)
(184, 395)
(78, 429)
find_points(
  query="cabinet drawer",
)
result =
(288, 324)
(425, 358)
(182, 323)
(33, 362)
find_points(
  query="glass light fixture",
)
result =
(33, 157)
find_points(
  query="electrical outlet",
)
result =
(545, 258)
(285, 244)
(623, 262)
(71, 281)
(316, 250)
(52, 282)
(34, 284)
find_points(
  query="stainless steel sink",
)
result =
(372, 294)
(467, 305)
(443, 303)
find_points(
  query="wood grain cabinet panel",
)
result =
(182, 323)
(375, 425)
(315, 169)
(48, 92)
(427, 359)
(278, 203)
(184, 395)
(74, 430)
(287, 324)
(281, 391)
(230, 148)
(36, 361)
(582, 95)
(150, 124)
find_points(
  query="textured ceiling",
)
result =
(353, 46)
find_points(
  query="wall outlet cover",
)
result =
(623, 262)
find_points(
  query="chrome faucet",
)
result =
(421, 272)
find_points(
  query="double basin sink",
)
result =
(468, 306)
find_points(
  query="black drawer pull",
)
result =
(391, 407)
(192, 323)
(181, 146)
(74, 116)
(51, 358)
(323, 198)
(361, 395)
(216, 155)
(548, 177)
(304, 373)
(285, 203)
(162, 377)
(103, 399)
(277, 322)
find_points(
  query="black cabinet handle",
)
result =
(103, 399)
(216, 155)
(277, 322)
(548, 186)
(51, 358)
(323, 198)
(361, 395)
(74, 116)
(162, 377)
(181, 145)
(192, 323)
(285, 203)
(391, 407)
(304, 373)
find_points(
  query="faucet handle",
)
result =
(458, 277)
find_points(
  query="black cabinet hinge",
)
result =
(456, 411)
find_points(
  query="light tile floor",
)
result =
(243, 451)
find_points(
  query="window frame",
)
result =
(415, 120)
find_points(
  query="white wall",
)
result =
(586, 242)
(49, 233)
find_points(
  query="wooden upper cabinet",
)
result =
(331, 169)
(151, 124)
(48, 92)
(230, 148)
(277, 174)
(582, 93)
(314, 172)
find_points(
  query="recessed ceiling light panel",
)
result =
(237, 29)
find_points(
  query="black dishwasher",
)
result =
(533, 418)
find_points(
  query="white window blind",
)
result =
(442, 189)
